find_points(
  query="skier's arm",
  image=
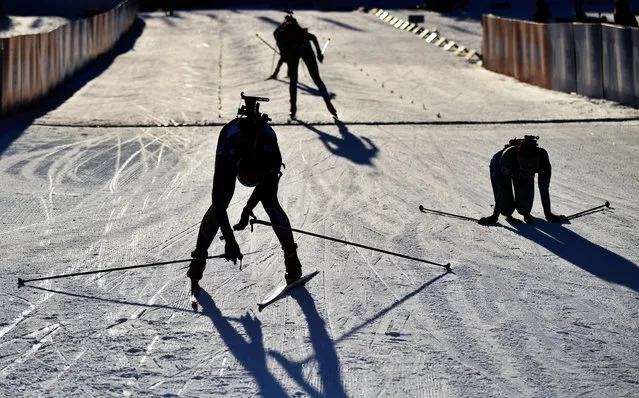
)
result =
(313, 39)
(223, 188)
(543, 181)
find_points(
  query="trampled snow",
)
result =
(116, 170)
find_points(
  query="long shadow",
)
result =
(13, 126)
(359, 151)
(313, 91)
(325, 353)
(5, 23)
(341, 24)
(249, 352)
(306, 88)
(583, 253)
(385, 311)
(270, 20)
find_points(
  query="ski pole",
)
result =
(326, 45)
(585, 212)
(265, 42)
(21, 281)
(425, 210)
(256, 221)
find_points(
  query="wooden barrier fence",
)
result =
(33, 65)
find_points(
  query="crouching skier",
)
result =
(515, 167)
(247, 149)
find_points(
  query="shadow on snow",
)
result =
(252, 356)
(349, 146)
(583, 253)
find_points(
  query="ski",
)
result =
(282, 290)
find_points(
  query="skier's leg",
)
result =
(313, 70)
(292, 65)
(277, 216)
(277, 68)
(503, 191)
(206, 234)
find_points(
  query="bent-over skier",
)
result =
(515, 167)
(294, 43)
(247, 149)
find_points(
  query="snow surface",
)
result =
(116, 170)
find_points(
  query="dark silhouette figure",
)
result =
(247, 149)
(515, 167)
(542, 12)
(622, 14)
(294, 43)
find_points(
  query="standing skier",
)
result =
(247, 150)
(294, 43)
(515, 167)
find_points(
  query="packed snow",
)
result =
(116, 169)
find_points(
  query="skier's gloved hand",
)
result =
(492, 219)
(232, 250)
(550, 217)
(244, 219)
(320, 57)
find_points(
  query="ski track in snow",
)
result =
(521, 314)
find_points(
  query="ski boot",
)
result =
(332, 110)
(196, 268)
(293, 113)
(293, 267)
(492, 219)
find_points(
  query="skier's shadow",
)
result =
(583, 253)
(328, 366)
(349, 146)
(250, 353)
(313, 91)
(304, 87)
